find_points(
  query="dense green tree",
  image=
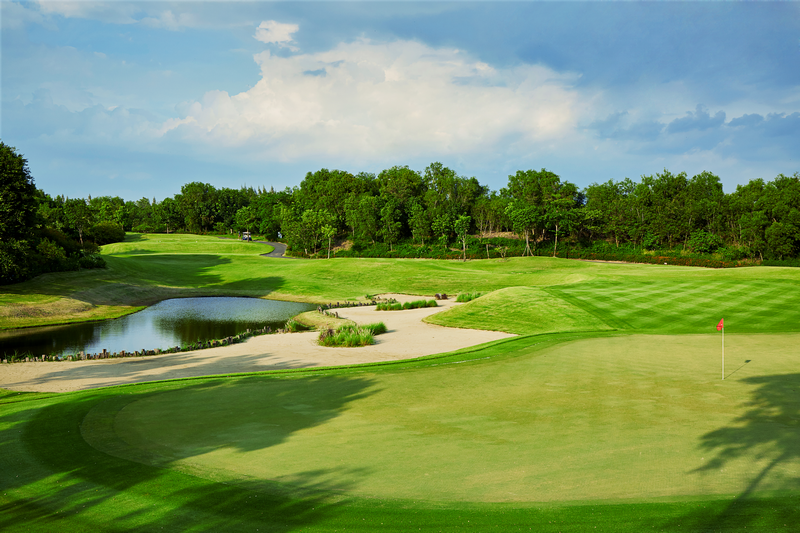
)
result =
(79, 216)
(390, 221)
(18, 203)
(462, 226)
(197, 203)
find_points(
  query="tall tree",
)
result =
(17, 195)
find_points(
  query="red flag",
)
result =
(720, 325)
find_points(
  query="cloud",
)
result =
(384, 100)
(271, 31)
(169, 20)
(615, 126)
(114, 12)
(699, 121)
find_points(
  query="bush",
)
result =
(14, 261)
(92, 261)
(106, 233)
(468, 296)
(703, 242)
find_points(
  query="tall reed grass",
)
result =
(351, 336)
(417, 304)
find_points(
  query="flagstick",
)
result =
(723, 353)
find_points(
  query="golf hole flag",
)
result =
(721, 327)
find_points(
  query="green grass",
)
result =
(559, 432)
(608, 414)
(520, 310)
(689, 306)
(148, 268)
(465, 297)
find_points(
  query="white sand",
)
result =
(407, 337)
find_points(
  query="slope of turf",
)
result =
(520, 310)
(91, 461)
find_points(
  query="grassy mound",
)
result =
(521, 310)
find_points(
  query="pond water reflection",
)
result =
(168, 323)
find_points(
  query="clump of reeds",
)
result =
(408, 305)
(293, 326)
(351, 336)
(468, 296)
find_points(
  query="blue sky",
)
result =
(137, 98)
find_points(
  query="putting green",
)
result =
(637, 417)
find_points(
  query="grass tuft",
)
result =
(350, 336)
(465, 297)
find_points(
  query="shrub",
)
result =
(468, 296)
(92, 261)
(704, 242)
(106, 233)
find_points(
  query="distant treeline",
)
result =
(437, 208)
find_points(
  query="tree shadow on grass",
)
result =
(769, 431)
(64, 483)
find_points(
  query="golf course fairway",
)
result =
(608, 411)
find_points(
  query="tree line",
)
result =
(432, 208)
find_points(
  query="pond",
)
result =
(169, 323)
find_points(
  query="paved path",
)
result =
(279, 250)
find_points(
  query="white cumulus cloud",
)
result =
(272, 31)
(368, 101)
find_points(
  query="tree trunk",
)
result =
(329, 247)
(555, 247)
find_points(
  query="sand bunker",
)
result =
(407, 337)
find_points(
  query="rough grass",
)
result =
(465, 297)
